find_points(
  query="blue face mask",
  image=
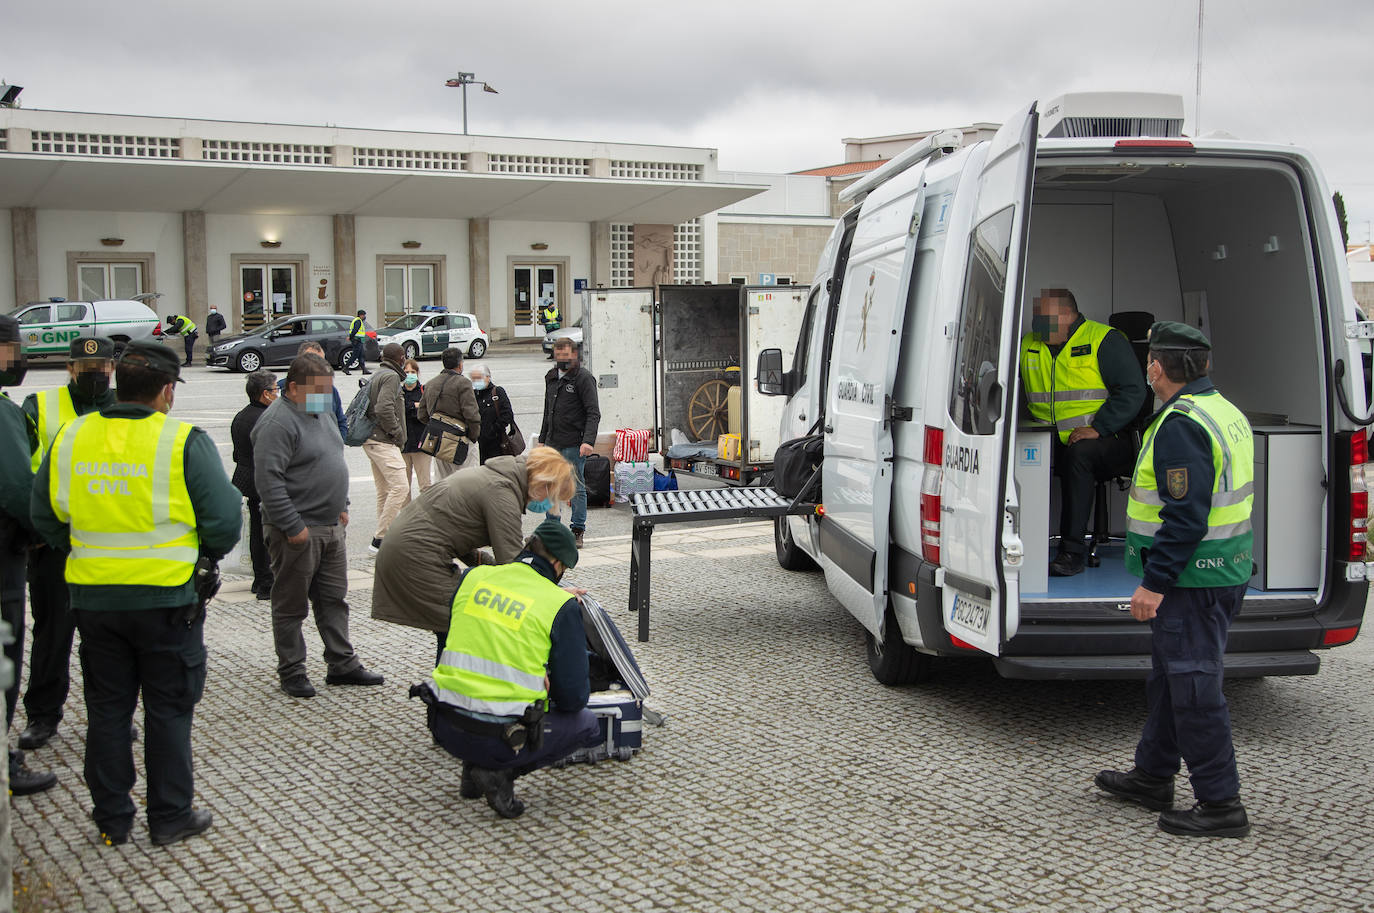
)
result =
(479, 385)
(412, 379)
(318, 403)
(542, 506)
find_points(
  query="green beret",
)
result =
(91, 347)
(558, 539)
(1170, 334)
(154, 356)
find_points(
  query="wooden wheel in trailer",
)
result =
(707, 415)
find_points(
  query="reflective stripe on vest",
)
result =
(1066, 390)
(1224, 556)
(356, 327)
(494, 660)
(120, 485)
(55, 409)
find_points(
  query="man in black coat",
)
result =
(262, 390)
(214, 324)
(572, 413)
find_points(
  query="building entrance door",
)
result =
(533, 287)
(267, 291)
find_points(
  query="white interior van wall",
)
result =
(7, 302)
(1262, 306)
(60, 231)
(446, 238)
(1144, 268)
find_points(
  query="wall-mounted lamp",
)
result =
(410, 245)
(539, 245)
(112, 242)
(270, 243)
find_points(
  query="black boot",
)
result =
(25, 782)
(1155, 793)
(37, 734)
(1226, 818)
(468, 789)
(499, 788)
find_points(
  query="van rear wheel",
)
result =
(892, 660)
(790, 555)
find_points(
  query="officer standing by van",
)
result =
(1083, 377)
(1189, 539)
(183, 326)
(90, 367)
(142, 499)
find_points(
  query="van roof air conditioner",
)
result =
(1110, 114)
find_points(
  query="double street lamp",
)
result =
(462, 81)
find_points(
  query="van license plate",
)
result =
(970, 613)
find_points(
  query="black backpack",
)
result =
(794, 466)
(596, 474)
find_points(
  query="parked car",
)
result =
(48, 327)
(276, 343)
(573, 332)
(428, 334)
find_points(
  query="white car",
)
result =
(428, 334)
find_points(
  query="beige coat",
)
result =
(471, 509)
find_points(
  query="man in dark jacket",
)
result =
(90, 364)
(451, 394)
(572, 413)
(214, 324)
(261, 387)
(386, 407)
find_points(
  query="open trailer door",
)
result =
(980, 549)
(618, 351)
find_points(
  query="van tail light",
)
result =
(157, 330)
(961, 644)
(1150, 142)
(933, 455)
(1334, 637)
(1359, 494)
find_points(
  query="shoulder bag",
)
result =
(445, 437)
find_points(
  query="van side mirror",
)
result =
(769, 378)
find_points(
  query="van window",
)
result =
(37, 315)
(979, 349)
(803, 348)
(70, 312)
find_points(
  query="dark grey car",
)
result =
(276, 343)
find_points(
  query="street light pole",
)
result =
(462, 81)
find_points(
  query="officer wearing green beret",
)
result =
(1188, 537)
(509, 694)
(90, 367)
(136, 499)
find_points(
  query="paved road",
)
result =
(786, 778)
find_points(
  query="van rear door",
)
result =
(980, 549)
(618, 351)
(857, 481)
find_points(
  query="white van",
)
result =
(48, 327)
(939, 506)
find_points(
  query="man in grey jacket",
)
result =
(386, 407)
(302, 480)
(451, 394)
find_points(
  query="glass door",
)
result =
(267, 291)
(407, 288)
(533, 287)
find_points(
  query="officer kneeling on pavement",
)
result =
(141, 503)
(509, 694)
(1188, 536)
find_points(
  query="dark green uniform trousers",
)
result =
(54, 626)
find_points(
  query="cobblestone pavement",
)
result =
(785, 778)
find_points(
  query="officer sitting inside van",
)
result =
(1084, 378)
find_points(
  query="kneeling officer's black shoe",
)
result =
(1226, 818)
(1155, 793)
(468, 789)
(499, 788)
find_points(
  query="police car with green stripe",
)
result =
(47, 328)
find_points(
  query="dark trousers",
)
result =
(311, 575)
(257, 549)
(1079, 467)
(54, 626)
(12, 572)
(360, 354)
(190, 341)
(1188, 717)
(123, 653)
(564, 733)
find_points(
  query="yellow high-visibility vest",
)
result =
(1066, 390)
(55, 409)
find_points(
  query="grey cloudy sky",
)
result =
(773, 85)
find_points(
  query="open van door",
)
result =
(854, 535)
(980, 548)
(618, 351)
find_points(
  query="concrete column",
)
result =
(479, 271)
(346, 266)
(599, 168)
(479, 163)
(601, 255)
(342, 156)
(24, 229)
(192, 148)
(193, 254)
(19, 139)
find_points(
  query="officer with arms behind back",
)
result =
(1083, 377)
(16, 533)
(142, 499)
(90, 365)
(1188, 536)
(515, 645)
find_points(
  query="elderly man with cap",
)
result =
(16, 533)
(1189, 538)
(140, 503)
(90, 366)
(509, 694)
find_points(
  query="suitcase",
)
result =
(621, 717)
(596, 475)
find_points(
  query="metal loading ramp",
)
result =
(693, 506)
